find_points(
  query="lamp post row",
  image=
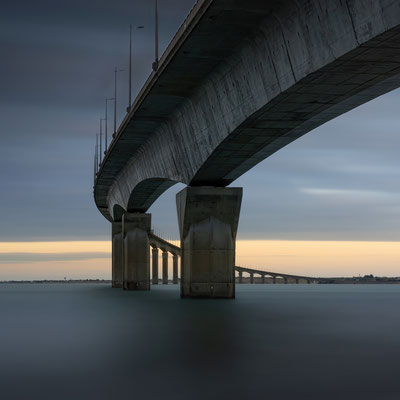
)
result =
(98, 155)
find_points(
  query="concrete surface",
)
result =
(117, 255)
(208, 220)
(136, 251)
(240, 81)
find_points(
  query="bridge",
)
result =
(167, 248)
(239, 81)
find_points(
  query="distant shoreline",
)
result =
(368, 279)
(59, 281)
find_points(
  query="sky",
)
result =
(336, 186)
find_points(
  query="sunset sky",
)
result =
(326, 205)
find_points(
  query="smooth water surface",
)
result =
(88, 341)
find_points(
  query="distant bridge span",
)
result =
(239, 81)
(156, 242)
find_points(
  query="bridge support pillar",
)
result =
(251, 277)
(208, 220)
(263, 279)
(175, 268)
(240, 277)
(117, 255)
(274, 279)
(154, 260)
(165, 268)
(135, 227)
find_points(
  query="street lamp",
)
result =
(107, 99)
(116, 70)
(130, 65)
(101, 137)
(155, 63)
(97, 152)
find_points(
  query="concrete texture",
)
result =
(240, 81)
(117, 255)
(175, 276)
(165, 268)
(154, 259)
(208, 221)
(135, 229)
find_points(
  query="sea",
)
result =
(89, 341)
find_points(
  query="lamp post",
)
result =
(101, 137)
(97, 152)
(155, 63)
(116, 70)
(95, 164)
(130, 65)
(107, 99)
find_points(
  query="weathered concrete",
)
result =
(208, 221)
(165, 268)
(154, 259)
(135, 228)
(175, 269)
(117, 255)
(215, 108)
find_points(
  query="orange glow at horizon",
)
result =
(56, 247)
(321, 258)
(311, 258)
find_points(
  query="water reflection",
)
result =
(273, 341)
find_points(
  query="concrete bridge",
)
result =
(158, 244)
(239, 81)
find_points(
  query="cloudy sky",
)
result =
(337, 183)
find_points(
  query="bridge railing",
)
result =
(157, 232)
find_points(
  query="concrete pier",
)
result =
(174, 268)
(208, 220)
(240, 276)
(165, 268)
(251, 278)
(135, 228)
(117, 255)
(154, 259)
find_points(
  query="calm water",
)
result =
(79, 341)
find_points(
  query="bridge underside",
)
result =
(217, 107)
(240, 81)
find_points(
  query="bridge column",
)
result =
(297, 281)
(165, 268)
(240, 276)
(263, 278)
(274, 279)
(117, 255)
(135, 227)
(175, 268)
(285, 279)
(251, 277)
(208, 220)
(154, 258)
